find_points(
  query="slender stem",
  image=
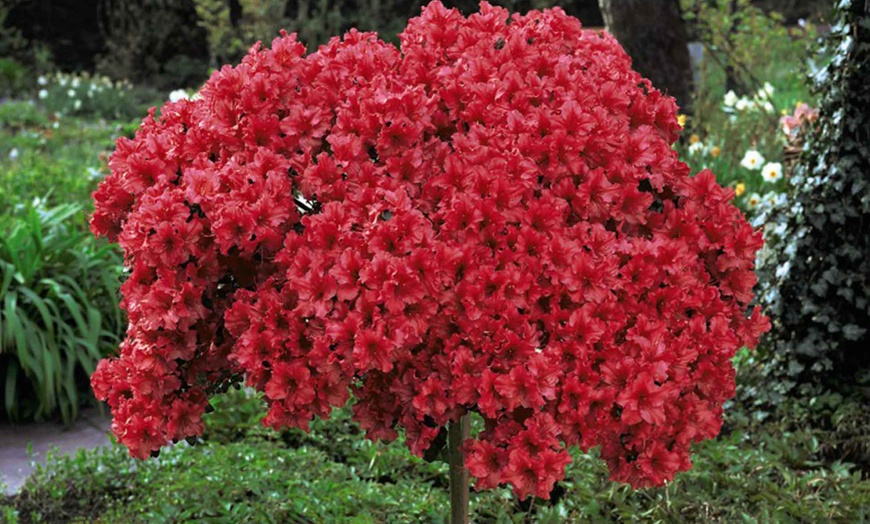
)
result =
(456, 433)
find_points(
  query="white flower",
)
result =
(730, 98)
(696, 148)
(13, 155)
(94, 172)
(42, 80)
(55, 125)
(767, 106)
(743, 104)
(752, 160)
(178, 94)
(771, 172)
(43, 94)
(77, 105)
(71, 93)
(766, 91)
(75, 81)
(753, 200)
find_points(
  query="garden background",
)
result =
(777, 104)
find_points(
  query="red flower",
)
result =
(489, 219)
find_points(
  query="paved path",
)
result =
(90, 431)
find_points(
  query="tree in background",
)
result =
(653, 34)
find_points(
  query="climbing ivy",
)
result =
(815, 269)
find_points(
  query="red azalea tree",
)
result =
(490, 219)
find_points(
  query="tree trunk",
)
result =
(456, 433)
(653, 34)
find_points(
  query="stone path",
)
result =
(90, 431)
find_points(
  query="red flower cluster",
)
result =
(491, 219)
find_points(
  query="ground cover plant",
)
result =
(240, 470)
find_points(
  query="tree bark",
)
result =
(653, 34)
(456, 434)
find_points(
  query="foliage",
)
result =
(748, 46)
(315, 21)
(153, 42)
(392, 262)
(763, 60)
(58, 308)
(58, 314)
(230, 35)
(816, 267)
(754, 473)
(14, 77)
(54, 160)
(19, 58)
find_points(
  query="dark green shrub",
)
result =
(232, 32)
(152, 42)
(815, 269)
(58, 310)
(815, 272)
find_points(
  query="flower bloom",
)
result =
(177, 95)
(771, 172)
(803, 113)
(739, 189)
(491, 219)
(715, 151)
(752, 160)
(753, 200)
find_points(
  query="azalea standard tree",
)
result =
(490, 219)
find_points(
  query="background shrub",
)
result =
(816, 279)
(814, 273)
(152, 42)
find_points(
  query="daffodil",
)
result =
(739, 189)
(771, 172)
(752, 160)
(715, 151)
(681, 119)
(730, 98)
(753, 200)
